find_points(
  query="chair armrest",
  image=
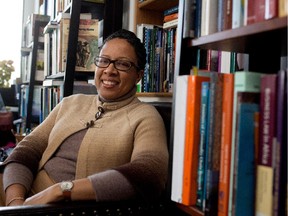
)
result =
(122, 208)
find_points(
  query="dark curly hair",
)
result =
(131, 38)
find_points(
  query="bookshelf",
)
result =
(68, 80)
(110, 11)
(265, 42)
(32, 77)
(152, 12)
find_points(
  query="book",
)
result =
(171, 10)
(189, 19)
(280, 175)
(209, 17)
(249, 12)
(224, 19)
(87, 46)
(244, 160)
(237, 14)
(197, 18)
(192, 134)
(61, 45)
(226, 137)
(224, 58)
(271, 9)
(179, 137)
(170, 17)
(170, 24)
(267, 134)
(201, 174)
(282, 8)
(259, 10)
(244, 81)
(212, 160)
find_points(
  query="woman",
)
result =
(105, 147)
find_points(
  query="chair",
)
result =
(120, 208)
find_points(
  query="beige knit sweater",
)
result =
(129, 137)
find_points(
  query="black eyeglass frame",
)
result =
(113, 61)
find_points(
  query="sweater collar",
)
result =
(116, 104)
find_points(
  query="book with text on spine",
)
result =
(201, 174)
(266, 148)
(192, 135)
(226, 138)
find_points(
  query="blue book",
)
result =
(171, 10)
(244, 161)
(202, 144)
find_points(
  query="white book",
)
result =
(179, 138)
(209, 16)
(238, 14)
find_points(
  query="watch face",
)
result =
(66, 185)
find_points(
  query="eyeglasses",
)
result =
(122, 65)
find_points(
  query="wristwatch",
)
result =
(66, 187)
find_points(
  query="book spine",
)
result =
(226, 136)
(208, 17)
(250, 13)
(179, 138)
(202, 144)
(264, 197)
(170, 17)
(280, 176)
(171, 10)
(271, 9)
(244, 170)
(192, 133)
(214, 143)
(259, 10)
(282, 8)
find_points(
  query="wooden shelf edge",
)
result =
(190, 210)
(256, 28)
(157, 5)
(154, 94)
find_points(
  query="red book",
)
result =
(271, 9)
(226, 137)
(250, 13)
(192, 138)
(170, 17)
(259, 10)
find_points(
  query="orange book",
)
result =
(226, 139)
(192, 138)
(170, 17)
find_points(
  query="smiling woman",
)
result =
(11, 32)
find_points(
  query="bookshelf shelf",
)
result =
(240, 39)
(190, 210)
(157, 5)
(154, 94)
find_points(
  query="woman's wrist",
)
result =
(15, 200)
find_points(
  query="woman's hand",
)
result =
(49, 195)
(82, 190)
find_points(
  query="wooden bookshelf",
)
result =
(190, 210)
(157, 5)
(265, 42)
(244, 39)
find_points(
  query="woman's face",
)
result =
(110, 82)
